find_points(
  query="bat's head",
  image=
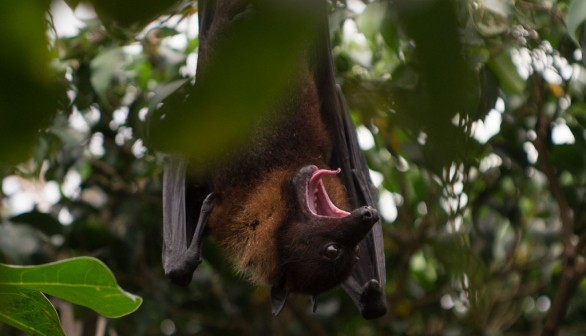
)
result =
(318, 243)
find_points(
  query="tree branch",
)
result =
(543, 124)
(554, 15)
(311, 325)
(572, 269)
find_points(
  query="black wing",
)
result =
(367, 281)
(182, 231)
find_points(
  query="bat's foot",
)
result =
(182, 272)
(372, 300)
(180, 265)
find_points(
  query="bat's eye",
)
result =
(332, 251)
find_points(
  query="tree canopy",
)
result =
(472, 115)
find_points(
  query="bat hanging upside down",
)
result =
(295, 210)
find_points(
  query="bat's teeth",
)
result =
(322, 204)
(315, 199)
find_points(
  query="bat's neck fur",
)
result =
(252, 204)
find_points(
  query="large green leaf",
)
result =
(84, 281)
(243, 75)
(576, 17)
(29, 311)
(28, 91)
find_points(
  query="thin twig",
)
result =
(555, 16)
(311, 325)
(572, 269)
(543, 124)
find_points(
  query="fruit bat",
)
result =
(295, 210)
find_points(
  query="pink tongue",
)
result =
(318, 200)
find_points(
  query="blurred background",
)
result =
(471, 113)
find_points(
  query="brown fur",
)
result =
(246, 230)
(251, 204)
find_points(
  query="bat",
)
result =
(294, 211)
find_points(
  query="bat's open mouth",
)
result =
(318, 200)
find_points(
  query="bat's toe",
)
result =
(372, 300)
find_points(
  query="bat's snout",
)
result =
(368, 215)
(354, 227)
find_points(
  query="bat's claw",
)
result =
(182, 272)
(372, 300)
(208, 204)
(180, 265)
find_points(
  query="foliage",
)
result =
(28, 97)
(85, 281)
(476, 111)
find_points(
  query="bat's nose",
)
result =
(354, 227)
(368, 214)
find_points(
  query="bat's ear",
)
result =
(279, 295)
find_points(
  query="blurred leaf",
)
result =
(389, 31)
(41, 221)
(28, 91)
(163, 32)
(578, 110)
(489, 93)
(493, 21)
(371, 20)
(19, 242)
(29, 311)
(84, 281)
(569, 157)
(165, 90)
(405, 77)
(576, 17)
(72, 4)
(503, 67)
(103, 68)
(447, 86)
(459, 259)
(124, 18)
(241, 78)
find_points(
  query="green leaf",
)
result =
(576, 17)
(28, 90)
(569, 157)
(130, 14)
(29, 311)
(239, 84)
(503, 67)
(165, 90)
(370, 21)
(104, 67)
(84, 281)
